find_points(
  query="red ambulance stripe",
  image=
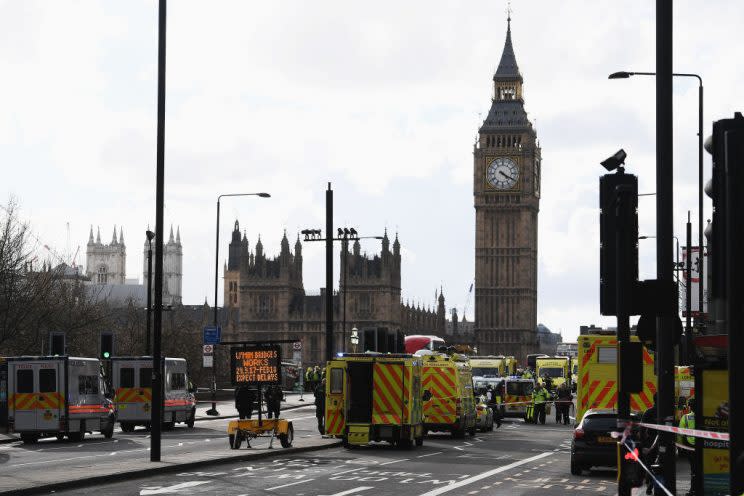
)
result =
(604, 392)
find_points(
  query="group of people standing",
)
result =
(563, 399)
(246, 398)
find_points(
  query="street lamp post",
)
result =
(354, 338)
(626, 75)
(150, 235)
(213, 410)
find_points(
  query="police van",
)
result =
(57, 396)
(132, 384)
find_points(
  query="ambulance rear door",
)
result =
(387, 393)
(132, 389)
(37, 397)
(335, 407)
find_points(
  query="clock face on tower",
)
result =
(502, 173)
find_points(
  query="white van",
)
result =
(132, 384)
(57, 396)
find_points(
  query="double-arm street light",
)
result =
(213, 410)
(626, 75)
(344, 235)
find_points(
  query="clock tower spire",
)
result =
(506, 190)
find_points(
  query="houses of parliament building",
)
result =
(265, 299)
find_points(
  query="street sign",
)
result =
(256, 364)
(208, 349)
(208, 361)
(212, 335)
(297, 345)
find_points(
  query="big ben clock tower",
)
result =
(506, 190)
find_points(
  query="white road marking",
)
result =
(430, 454)
(351, 491)
(171, 489)
(347, 471)
(483, 475)
(290, 484)
(395, 461)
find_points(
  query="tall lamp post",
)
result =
(213, 410)
(354, 338)
(150, 236)
(626, 75)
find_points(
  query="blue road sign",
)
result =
(212, 335)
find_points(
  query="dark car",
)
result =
(593, 444)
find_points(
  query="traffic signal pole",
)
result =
(157, 376)
(329, 273)
(664, 233)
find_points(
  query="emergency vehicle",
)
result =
(574, 373)
(418, 342)
(132, 385)
(684, 389)
(597, 387)
(487, 366)
(57, 396)
(518, 394)
(451, 405)
(554, 367)
(375, 397)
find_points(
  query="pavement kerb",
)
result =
(197, 419)
(163, 469)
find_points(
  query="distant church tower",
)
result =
(172, 268)
(506, 190)
(106, 264)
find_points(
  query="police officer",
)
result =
(273, 397)
(309, 379)
(563, 403)
(320, 405)
(540, 397)
(245, 398)
(688, 422)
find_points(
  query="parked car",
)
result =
(593, 444)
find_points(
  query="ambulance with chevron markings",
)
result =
(375, 397)
(57, 396)
(132, 385)
(597, 382)
(451, 406)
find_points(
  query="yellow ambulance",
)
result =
(556, 368)
(597, 384)
(375, 397)
(487, 366)
(451, 406)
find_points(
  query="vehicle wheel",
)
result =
(190, 421)
(576, 469)
(345, 442)
(236, 440)
(405, 444)
(420, 440)
(127, 427)
(60, 437)
(167, 426)
(458, 433)
(76, 437)
(472, 430)
(286, 439)
(29, 438)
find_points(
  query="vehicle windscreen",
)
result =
(551, 372)
(576, 368)
(519, 388)
(485, 372)
(600, 423)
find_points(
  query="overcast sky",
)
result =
(382, 99)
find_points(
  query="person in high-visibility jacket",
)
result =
(688, 422)
(540, 397)
(527, 374)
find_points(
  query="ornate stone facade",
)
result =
(265, 299)
(506, 191)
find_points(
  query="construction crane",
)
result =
(467, 301)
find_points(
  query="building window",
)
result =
(102, 275)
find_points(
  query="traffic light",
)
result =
(107, 345)
(611, 186)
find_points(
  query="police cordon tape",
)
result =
(718, 436)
